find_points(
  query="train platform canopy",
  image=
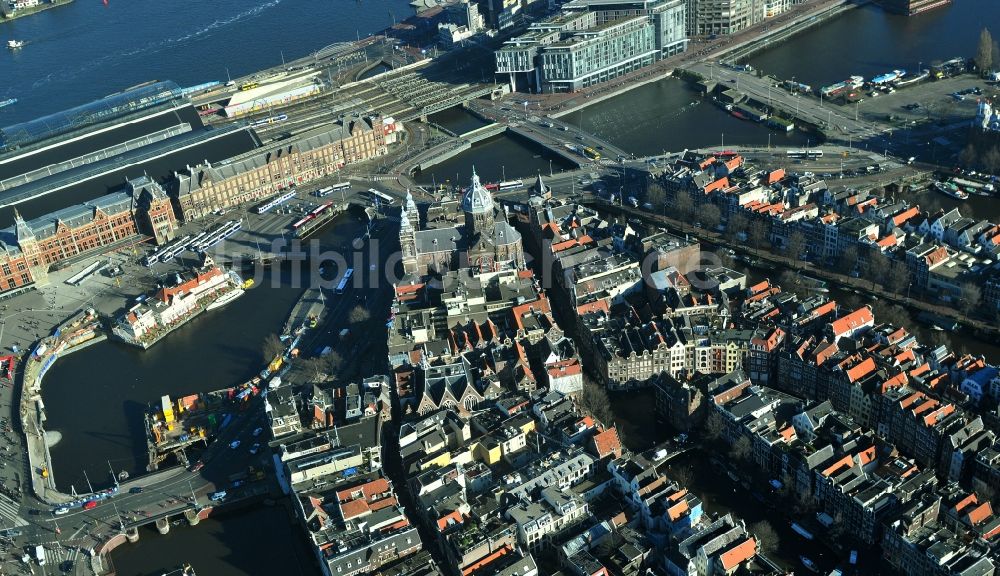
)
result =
(103, 110)
(274, 93)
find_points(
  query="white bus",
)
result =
(810, 154)
(342, 287)
(381, 197)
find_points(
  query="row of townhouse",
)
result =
(858, 485)
(943, 251)
(929, 402)
(642, 301)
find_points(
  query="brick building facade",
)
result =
(202, 189)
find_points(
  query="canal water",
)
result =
(867, 42)
(458, 120)
(499, 158)
(669, 115)
(262, 540)
(96, 398)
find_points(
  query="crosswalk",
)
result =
(10, 511)
(382, 177)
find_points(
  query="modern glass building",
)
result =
(593, 41)
(103, 110)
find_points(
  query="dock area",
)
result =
(80, 330)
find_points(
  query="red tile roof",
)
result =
(860, 317)
(607, 443)
(775, 176)
(568, 367)
(739, 554)
(964, 502)
(354, 508)
(677, 510)
(982, 512)
(455, 517)
(860, 370)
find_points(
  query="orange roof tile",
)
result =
(864, 368)
(452, 518)
(775, 176)
(964, 502)
(485, 560)
(853, 321)
(354, 508)
(980, 513)
(677, 510)
(607, 443)
(738, 554)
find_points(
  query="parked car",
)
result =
(135, 490)
(234, 444)
(255, 448)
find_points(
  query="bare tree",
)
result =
(683, 476)
(898, 278)
(741, 449)
(738, 223)
(892, 313)
(595, 400)
(984, 52)
(848, 260)
(271, 347)
(656, 195)
(683, 206)
(967, 157)
(791, 282)
(315, 368)
(359, 314)
(711, 216)
(334, 362)
(991, 160)
(971, 296)
(765, 535)
(795, 245)
(713, 426)
(758, 234)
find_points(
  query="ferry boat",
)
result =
(952, 190)
(15, 44)
(8, 102)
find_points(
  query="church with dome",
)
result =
(482, 239)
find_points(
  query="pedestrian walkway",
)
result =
(10, 511)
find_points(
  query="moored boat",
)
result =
(950, 189)
(226, 298)
(15, 44)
